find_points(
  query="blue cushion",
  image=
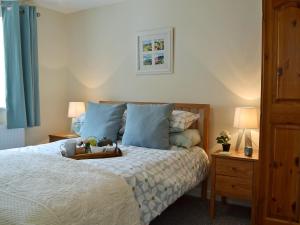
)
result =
(102, 120)
(148, 125)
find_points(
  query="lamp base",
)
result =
(248, 139)
(239, 140)
(72, 125)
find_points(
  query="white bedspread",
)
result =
(157, 177)
(44, 189)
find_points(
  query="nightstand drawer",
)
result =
(234, 168)
(234, 187)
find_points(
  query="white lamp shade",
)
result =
(245, 118)
(76, 109)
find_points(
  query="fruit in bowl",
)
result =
(92, 141)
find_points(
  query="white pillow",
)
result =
(182, 120)
(186, 139)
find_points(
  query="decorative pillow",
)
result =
(102, 120)
(182, 120)
(78, 122)
(186, 139)
(148, 125)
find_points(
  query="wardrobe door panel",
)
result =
(286, 50)
(279, 183)
(284, 193)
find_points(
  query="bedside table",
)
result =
(61, 136)
(233, 175)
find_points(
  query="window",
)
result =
(2, 68)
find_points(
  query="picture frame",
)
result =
(155, 51)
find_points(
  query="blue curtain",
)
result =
(21, 64)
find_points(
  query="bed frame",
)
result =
(202, 125)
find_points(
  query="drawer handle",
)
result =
(233, 186)
(234, 168)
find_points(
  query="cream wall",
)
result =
(217, 54)
(52, 39)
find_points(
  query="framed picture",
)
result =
(155, 51)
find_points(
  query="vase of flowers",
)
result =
(224, 139)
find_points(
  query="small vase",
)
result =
(226, 147)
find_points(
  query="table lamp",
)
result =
(245, 118)
(75, 110)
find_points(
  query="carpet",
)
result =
(190, 210)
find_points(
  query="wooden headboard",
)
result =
(202, 124)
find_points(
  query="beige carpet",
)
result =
(192, 211)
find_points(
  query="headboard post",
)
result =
(206, 128)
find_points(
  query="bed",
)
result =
(133, 189)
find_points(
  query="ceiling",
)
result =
(70, 6)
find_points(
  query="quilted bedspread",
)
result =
(157, 177)
(44, 189)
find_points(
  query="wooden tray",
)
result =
(97, 155)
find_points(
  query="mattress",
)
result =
(157, 177)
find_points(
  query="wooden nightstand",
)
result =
(233, 175)
(61, 136)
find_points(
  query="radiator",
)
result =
(11, 138)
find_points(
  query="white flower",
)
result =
(225, 133)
